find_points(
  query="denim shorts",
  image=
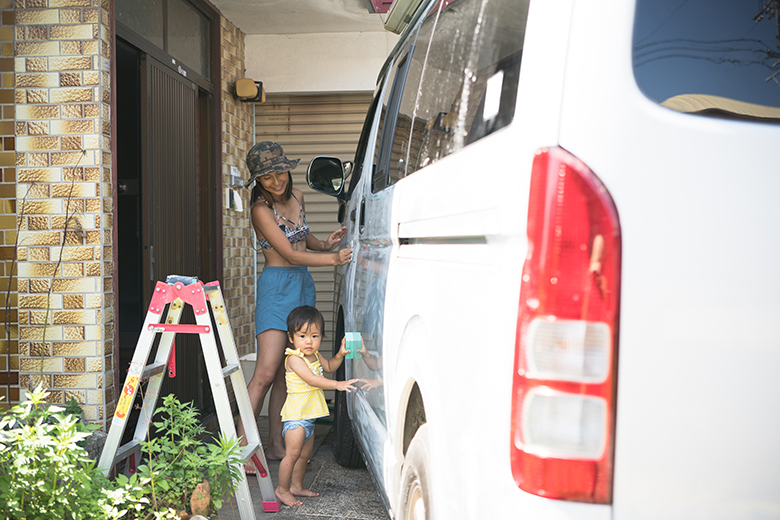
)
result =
(308, 427)
(280, 290)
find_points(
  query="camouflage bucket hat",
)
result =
(266, 157)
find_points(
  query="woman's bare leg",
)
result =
(270, 353)
(275, 449)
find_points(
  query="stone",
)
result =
(200, 502)
(95, 443)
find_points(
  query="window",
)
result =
(174, 26)
(709, 57)
(360, 153)
(387, 155)
(469, 83)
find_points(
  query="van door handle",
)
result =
(362, 216)
(352, 214)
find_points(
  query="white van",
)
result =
(567, 233)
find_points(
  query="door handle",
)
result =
(352, 214)
(362, 226)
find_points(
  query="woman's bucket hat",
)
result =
(266, 157)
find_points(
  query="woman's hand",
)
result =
(334, 239)
(343, 256)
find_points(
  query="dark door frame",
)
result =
(213, 194)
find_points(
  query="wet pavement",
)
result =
(345, 493)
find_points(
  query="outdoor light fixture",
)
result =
(248, 90)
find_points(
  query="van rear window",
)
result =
(710, 57)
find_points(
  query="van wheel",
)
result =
(345, 447)
(416, 501)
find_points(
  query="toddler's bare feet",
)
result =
(287, 498)
(301, 492)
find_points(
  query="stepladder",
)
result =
(167, 303)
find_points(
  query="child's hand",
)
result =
(346, 386)
(343, 350)
(362, 350)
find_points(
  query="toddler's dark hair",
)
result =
(304, 316)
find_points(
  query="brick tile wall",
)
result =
(9, 344)
(63, 200)
(237, 138)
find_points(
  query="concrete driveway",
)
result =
(344, 493)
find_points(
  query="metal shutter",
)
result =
(307, 126)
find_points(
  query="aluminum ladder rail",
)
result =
(175, 293)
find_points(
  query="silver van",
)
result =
(567, 233)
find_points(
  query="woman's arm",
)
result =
(264, 221)
(314, 243)
(300, 367)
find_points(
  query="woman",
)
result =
(279, 220)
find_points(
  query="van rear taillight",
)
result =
(563, 402)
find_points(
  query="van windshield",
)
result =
(710, 57)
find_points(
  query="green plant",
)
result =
(177, 460)
(44, 474)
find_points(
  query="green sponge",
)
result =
(353, 345)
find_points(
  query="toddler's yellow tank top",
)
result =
(303, 400)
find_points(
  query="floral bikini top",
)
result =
(296, 234)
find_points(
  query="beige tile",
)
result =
(31, 175)
(75, 365)
(72, 126)
(82, 285)
(37, 16)
(79, 348)
(37, 79)
(36, 333)
(31, 380)
(37, 96)
(79, 395)
(71, 333)
(37, 207)
(45, 365)
(72, 111)
(48, 48)
(27, 112)
(78, 254)
(37, 128)
(85, 381)
(37, 144)
(71, 32)
(94, 364)
(70, 3)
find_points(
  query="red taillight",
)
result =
(563, 402)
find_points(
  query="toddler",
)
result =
(305, 399)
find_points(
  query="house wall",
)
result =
(317, 63)
(237, 138)
(64, 196)
(9, 344)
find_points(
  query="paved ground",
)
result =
(345, 494)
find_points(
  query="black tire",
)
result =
(345, 448)
(416, 503)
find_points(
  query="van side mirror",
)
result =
(326, 175)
